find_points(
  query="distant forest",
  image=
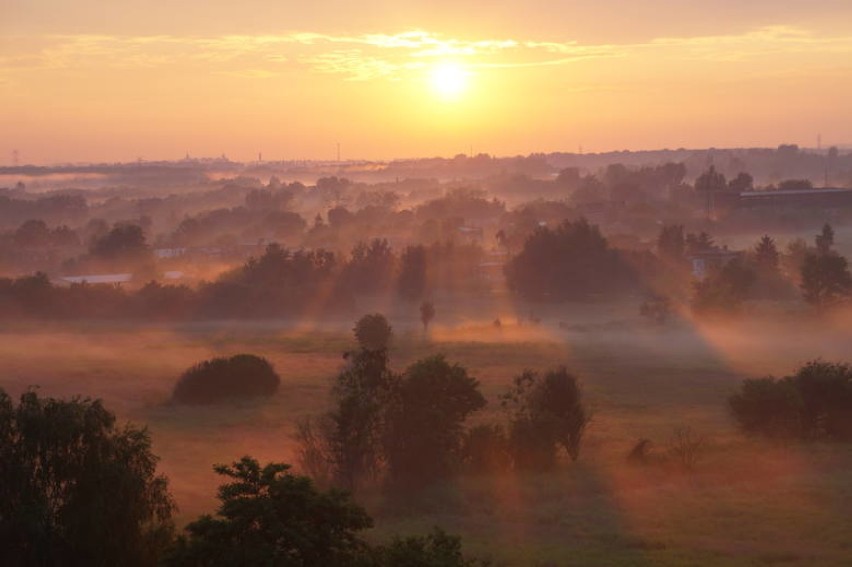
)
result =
(212, 238)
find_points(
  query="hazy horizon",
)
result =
(88, 83)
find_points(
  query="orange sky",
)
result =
(86, 80)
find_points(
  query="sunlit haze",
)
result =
(80, 81)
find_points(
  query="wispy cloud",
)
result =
(388, 56)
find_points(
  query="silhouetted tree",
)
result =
(766, 255)
(75, 489)
(357, 421)
(425, 421)
(354, 428)
(709, 184)
(124, 244)
(711, 181)
(825, 279)
(742, 182)
(698, 243)
(825, 239)
(545, 411)
(412, 275)
(371, 266)
(573, 260)
(436, 549)
(268, 516)
(724, 289)
(32, 234)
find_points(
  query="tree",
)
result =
(373, 332)
(711, 181)
(742, 182)
(825, 279)
(371, 266)
(698, 243)
(724, 289)
(545, 411)
(708, 184)
(268, 516)
(825, 239)
(345, 444)
(425, 421)
(427, 313)
(124, 244)
(356, 425)
(412, 275)
(221, 379)
(76, 489)
(573, 260)
(766, 255)
(32, 234)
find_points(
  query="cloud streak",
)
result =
(383, 56)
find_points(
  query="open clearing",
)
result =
(747, 503)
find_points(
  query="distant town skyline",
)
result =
(87, 82)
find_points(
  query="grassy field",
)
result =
(747, 503)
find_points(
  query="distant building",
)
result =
(169, 252)
(471, 234)
(95, 279)
(826, 197)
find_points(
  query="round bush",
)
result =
(220, 379)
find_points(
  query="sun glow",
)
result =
(449, 80)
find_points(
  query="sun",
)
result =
(449, 80)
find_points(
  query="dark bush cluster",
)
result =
(813, 403)
(76, 488)
(269, 516)
(546, 411)
(572, 261)
(222, 379)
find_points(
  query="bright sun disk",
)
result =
(449, 80)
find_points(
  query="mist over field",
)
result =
(409, 284)
(661, 288)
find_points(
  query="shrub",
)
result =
(686, 446)
(436, 549)
(815, 402)
(269, 516)
(373, 332)
(221, 379)
(768, 407)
